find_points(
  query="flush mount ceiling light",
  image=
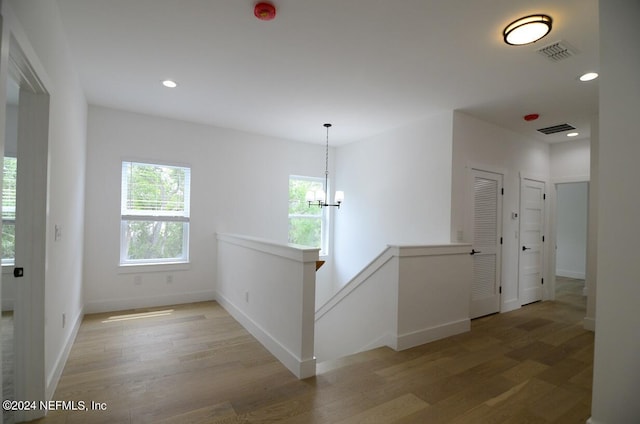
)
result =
(169, 84)
(320, 198)
(573, 134)
(527, 30)
(589, 76)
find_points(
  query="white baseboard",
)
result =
(301, 368)
(7, 304)
(384, 340)
(113, 305)
(61, 360)
(589, 324)
(426, 335)
(570, 274)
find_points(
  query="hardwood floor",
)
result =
(197, 365)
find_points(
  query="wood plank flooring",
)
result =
(195, 364)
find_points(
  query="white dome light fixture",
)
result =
(169, 84)
(527, 30)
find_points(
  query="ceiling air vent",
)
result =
(558, 51)
(556, 129)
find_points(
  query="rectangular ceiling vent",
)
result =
(556, 129)
(558, 51)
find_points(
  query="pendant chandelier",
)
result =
(319, 198)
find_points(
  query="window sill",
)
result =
(159, 267)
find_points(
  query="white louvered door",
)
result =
(486, 230)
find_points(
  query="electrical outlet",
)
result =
(169, 278)
(137, 280)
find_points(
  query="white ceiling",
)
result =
(366, 66)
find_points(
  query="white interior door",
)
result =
(30, 232)
(532, 197)
(486, 230)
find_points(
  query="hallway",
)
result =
(195, 364)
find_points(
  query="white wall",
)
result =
(67, 143)
(569, 161)
(617, 346)
(592, 231)
(11, 131)
(398, 191)
(571, 234)
(408, 296)
(490, 148)
(270, 289)
(239, 184)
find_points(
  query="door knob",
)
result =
(525, 248)
(473, 252)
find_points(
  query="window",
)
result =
(9, 211)
(307, 225)
(154, 214)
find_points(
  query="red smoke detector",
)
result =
(265, 11)
(531, 117)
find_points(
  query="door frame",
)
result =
(553, 233)
(19, 61)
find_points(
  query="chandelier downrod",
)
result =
(321, 200)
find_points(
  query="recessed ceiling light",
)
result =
(527, 30)
(169, 84)
(573, 134)
(589, 76)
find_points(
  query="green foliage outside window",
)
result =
(305, 223)
(153, 239)
(155, 212)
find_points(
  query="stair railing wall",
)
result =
(270, 289)
(409, 295)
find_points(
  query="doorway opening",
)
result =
(572, 201)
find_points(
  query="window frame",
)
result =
(323, 214)
(127, 215)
